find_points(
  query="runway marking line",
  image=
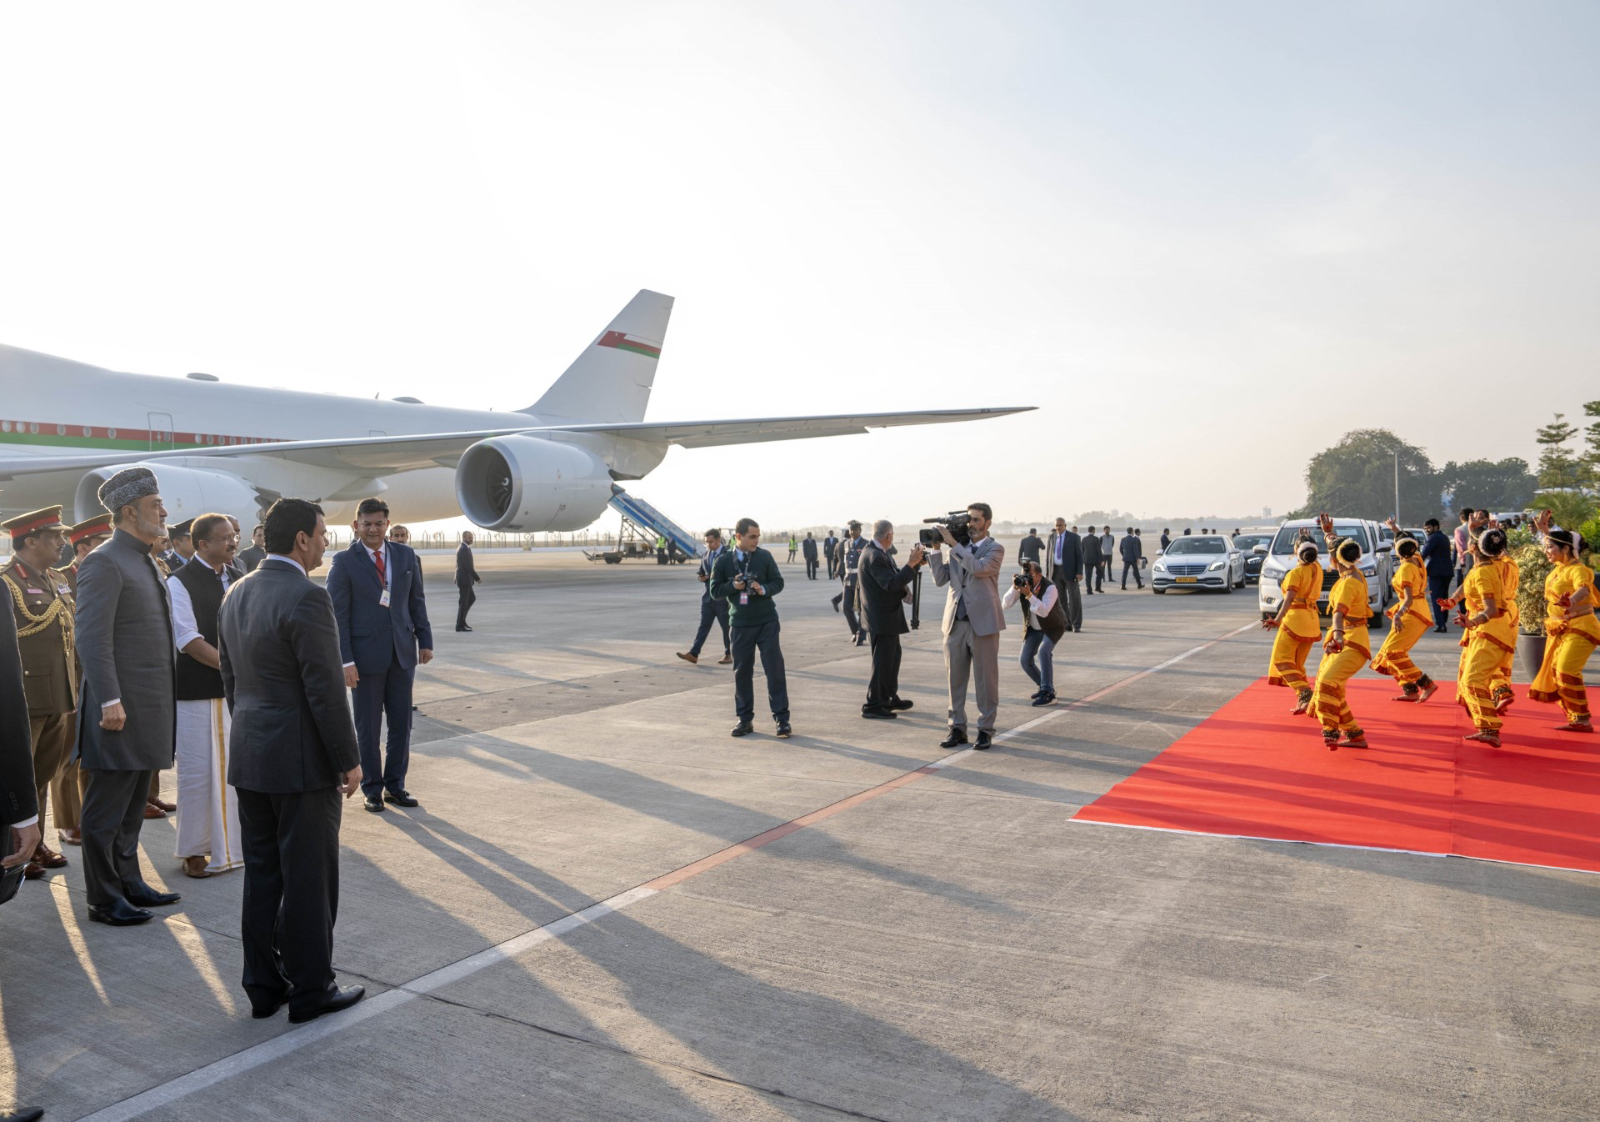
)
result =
(295, 1039)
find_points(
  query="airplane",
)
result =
(66, 427)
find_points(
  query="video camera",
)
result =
(958, 521)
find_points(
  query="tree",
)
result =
(1355, 479)
(1559, 468)
(1506, 485)
(1591, 440)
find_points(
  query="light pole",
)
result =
(1396, 452)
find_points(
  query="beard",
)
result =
(151, 527)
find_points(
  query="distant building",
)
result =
(1266, 512)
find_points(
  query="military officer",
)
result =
(41, 598)
(66, 791)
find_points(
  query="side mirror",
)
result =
(1260, 550)
(1386, 547)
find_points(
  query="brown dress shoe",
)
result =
(73, 836)
(164, 805)
(725, 660)
(689, 657)
(33, 870)
(195, 867)
(151, 810)
(49, 858)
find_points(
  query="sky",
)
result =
(1204, 239)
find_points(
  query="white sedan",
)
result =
(1199, 562)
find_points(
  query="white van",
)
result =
(1278, 558)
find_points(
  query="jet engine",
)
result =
(526, 484)
(185, 492)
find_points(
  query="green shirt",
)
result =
(763, 570)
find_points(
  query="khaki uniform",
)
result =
(66, 790)
(43, 605)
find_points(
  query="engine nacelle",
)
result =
(185, 492)
(526, 484)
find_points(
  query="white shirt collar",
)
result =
(290, 560)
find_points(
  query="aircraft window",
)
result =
(61, 430)
(33, 427)
(87, 431)
(112, 433)
(5, 425)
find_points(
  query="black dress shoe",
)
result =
(743, 728)
(374, 805)
(956, 739)
(879, 714)
(784, 731)
(119, 914)
(463, 629)
(985, 741)
(23, 1114)
(143, 896)
(900, 704)
(262, 1010)
(399, 798)
(335, 1001)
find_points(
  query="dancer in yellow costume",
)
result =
(1408, 619)
(1500, 679)
(1489, 635)
(1571, 627)
(1346, 650)
(1297, 625)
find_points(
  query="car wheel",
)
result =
(1227, 587)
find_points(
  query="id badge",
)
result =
(744, 599)
(383, 601)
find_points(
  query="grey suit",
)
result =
(124, 635)
(292, 740)
(973, 620)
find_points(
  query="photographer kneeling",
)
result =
(1046, 621)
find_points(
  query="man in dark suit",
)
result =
(1132, 557)
(829, 545)
(883, 593)
(1031, 549)
(1091, 560)
(292, 755)
(466, 579)
(376, 587)
(126, 715)
(249, 558)
(1437, 564)
(808, 549)
(713, 611)
(1063, 564)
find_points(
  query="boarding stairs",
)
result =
(641, 513)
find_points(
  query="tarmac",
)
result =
(576, 923)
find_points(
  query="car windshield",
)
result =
(1197, 545)
(1250, 541)
(1288, 535)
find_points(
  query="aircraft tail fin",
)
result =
(611, 379)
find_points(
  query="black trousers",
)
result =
(711, 611)
(884, 685)
(111, 818)
(1071, 602)
(468, 597)
(1438, 589)
(1089, 570)
(746, 642)
(1100, 572)
(811, 568)
(291, 894)
(1131, 567)
(379, 696)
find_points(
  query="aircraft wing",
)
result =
(390, 455)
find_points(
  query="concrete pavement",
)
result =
(951, 948)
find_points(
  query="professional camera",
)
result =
(957, 520)
(1021, 581)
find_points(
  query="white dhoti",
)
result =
(208, 809)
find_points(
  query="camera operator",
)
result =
(748, 578)
(972, 622)
(1046, 621)
(883, 593)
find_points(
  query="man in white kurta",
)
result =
(208, 811)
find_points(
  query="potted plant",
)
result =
(1534, 567)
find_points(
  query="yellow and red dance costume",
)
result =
(1297, 631)
(1568, 645)
(1500, 681)
(1329, 703)
(1394, 657)
(1488, 645)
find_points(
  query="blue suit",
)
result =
(382, 643)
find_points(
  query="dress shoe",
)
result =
(743, 728)
(985, 741)
(691, 659)
(725, 660)
(784, 731)
(262, 1010)
(463, 627)
(399, 798)
(164, 805)
(879, 714)
(143, 896)
(956, 739)
(373, 805)
(33, 871)
(49, 858)
(195, 867)
(119, 914)
(335, 1001)
(23, 1114)
(1035, 695)
(151, 810)
(73, 836)
(901, 704)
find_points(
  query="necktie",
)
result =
(377, 559)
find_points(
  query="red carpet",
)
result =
(1251, 770)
